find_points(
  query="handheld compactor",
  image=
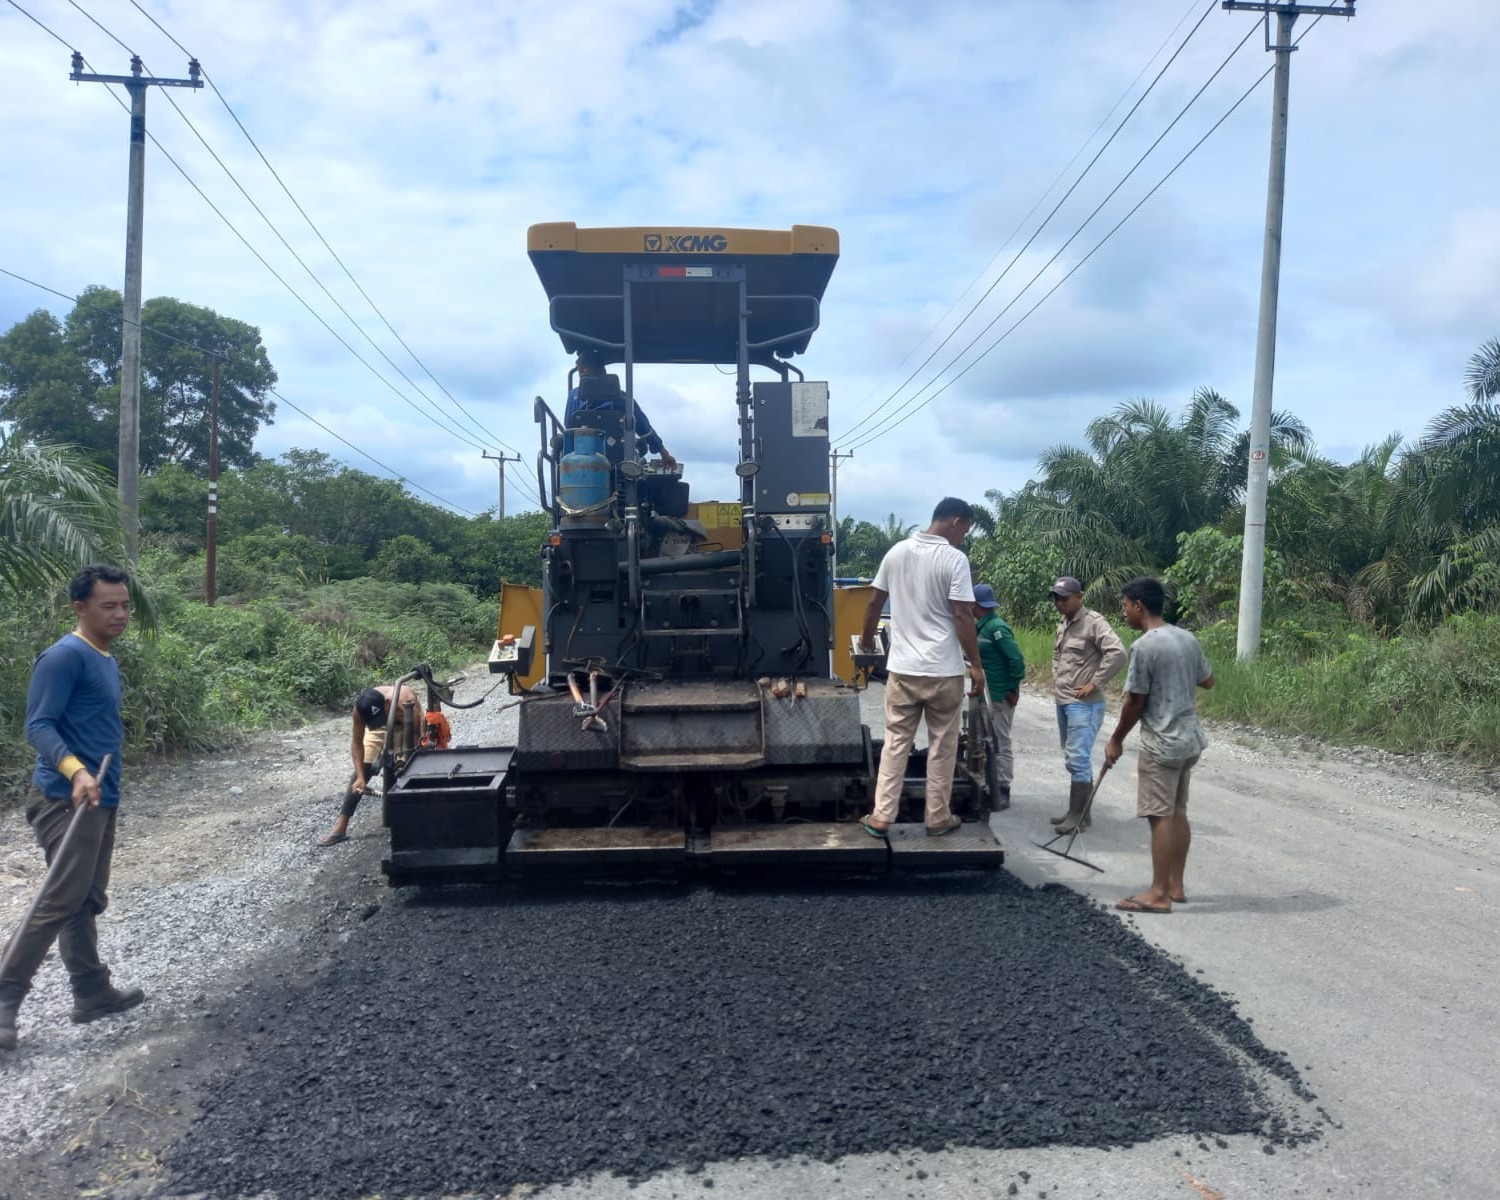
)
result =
(679, 669)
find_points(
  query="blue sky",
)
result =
(423, 140)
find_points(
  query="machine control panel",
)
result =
(865, 660)
(800, 522)
(511, 655)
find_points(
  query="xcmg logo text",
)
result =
(686, 243)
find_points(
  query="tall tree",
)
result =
(67, 388)
(47, 392)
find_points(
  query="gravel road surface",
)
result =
(1318, 1020)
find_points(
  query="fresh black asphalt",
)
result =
(472, 1041)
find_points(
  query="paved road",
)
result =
(1351, 908)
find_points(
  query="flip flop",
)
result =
(1132, 905)
(943, 830)
(873, 830)
(333, 839)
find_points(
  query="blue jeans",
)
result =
(1077, 729)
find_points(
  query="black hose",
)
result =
(689, 562)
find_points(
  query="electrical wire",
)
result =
(302, 301)
(1116, 228)
(443, 421)
(1035, 233)
(39, 25)
(102, 29)
(319, 234)
(396, 475)
(910, 405)
(1040, 200)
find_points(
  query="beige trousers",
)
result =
(908, 700)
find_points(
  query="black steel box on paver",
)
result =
(447, 804)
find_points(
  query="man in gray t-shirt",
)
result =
(1167, 667)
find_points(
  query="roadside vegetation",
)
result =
(1382, 587)
(1382, 601)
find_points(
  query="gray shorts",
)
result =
(1163, 789)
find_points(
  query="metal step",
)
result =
(536, 852)
(825, 845)
(405, 868)
(973, 845)
(708, 760)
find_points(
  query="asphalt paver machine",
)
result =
(678, 674)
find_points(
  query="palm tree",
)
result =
(57, 513)
(1115, 509)
(1452, 516)
(1482, 376)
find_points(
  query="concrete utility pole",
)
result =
(1253, 564)
(833, 502)
(129, 470)
(500, 461)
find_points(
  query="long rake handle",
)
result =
(52, 870)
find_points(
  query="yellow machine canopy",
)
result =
(595, 278)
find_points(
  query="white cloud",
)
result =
(424, 140)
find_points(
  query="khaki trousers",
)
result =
(908, 700)
(68, 907)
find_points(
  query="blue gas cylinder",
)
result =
(583, 481)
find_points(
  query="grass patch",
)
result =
(213, 675)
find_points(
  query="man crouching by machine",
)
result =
(371, 717)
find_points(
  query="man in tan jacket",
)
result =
(1086, 654)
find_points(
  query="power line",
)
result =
(444, 422)
(160, 333)
(910, 406)
(1040, 200)
(1116, 228)
(319, 234)
(39, 25)
(400, 478)
(102, 29)
(301, 300)
(1035, 233)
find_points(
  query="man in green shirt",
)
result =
(1004, 668)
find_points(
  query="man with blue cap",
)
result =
(1004, 668)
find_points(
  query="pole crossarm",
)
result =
(1345, 9)
(152, 80)
(79, 75)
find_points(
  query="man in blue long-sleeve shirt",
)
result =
(73, 720)
(597, 390)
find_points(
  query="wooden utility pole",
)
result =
(1253, 563)
(211, 541)
(129, 471)
(500, 461)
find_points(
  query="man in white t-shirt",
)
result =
(931, 591)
